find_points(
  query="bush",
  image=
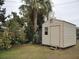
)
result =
(5, 42)
(18, 37)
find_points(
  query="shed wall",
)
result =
(60, 24)
(46, 38)
(69, 35)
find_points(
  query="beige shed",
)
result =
(58, 33)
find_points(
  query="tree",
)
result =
(2, 11)
(4, 38)
(16, 29)
(35, 9)
(1, 2)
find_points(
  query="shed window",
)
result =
(46, 30)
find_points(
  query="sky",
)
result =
(67, 10)
(12, 5)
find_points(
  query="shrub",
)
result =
(5, 42)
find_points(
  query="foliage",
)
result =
(16, 29)
(2, 11)
(4, 40)
(1, 2)
(29, 30)
(13, 32)
(35, 10)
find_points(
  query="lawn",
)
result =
(30, 51)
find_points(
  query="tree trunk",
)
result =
(35, 21)
(35, 26)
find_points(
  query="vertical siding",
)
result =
(55, 35)
(58, 23)
(46, 38)
(69, 35)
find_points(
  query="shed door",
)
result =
(55, 35)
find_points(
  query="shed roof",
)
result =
(61, 21)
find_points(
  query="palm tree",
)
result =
(34, 9)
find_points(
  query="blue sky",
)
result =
(67, 10)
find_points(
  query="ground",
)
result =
(30, 51)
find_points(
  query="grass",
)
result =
(30, 51)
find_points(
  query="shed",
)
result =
(58, 33)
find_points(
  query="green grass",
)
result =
(30, 51)
(25, 52)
